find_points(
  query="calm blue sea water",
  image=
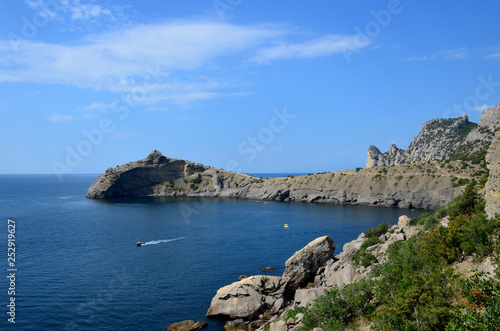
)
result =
(78, 267)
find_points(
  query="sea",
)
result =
(71, 263)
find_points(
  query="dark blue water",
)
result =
(78, 267)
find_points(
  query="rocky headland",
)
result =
(430, 173)
(420, 185)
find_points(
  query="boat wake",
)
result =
(154, 242)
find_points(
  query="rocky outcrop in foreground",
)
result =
(441, 139)
(420, 185)
(256, 301)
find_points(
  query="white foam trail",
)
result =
(154, 242)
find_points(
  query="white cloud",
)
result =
(166, 61)
(483, 107)
(323, 46)
(76, 10)
(454, 54)
(489, 52)
(60, 118)
(100, 106)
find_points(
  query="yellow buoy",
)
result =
(286, 226)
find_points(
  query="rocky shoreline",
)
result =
(254, 302)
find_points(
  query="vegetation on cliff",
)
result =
(416, 288)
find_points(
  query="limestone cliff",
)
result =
(421, 185)
(492, 188)
(442, 139)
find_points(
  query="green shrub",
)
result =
(338, 308)
(481, 310)
(196, 180)
(370, 242)
(292, 313)
(363, 258)
(381, 229)
(193, 186)
(425, 305)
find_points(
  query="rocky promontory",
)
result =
(420, 185)
(446, 154)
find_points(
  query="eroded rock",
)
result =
(249, 297)
(188, 325)
(303, 265)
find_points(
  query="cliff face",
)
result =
(442, 139)
(420, 185)
(492, 188)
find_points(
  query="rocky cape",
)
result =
(414, 178)
(420, 185)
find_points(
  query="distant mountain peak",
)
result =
(442, 139)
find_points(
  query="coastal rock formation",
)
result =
(249, 298)
(187, 325)
(303, 265)
(492, 188)
(420, 185)
(442, 139)
(258, 301)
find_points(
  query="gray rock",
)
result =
(492, 188)
(249, 297)
(403, 222)
(278, 326)
(439, 139)
(341, 274)
(306, 297)
(236, 325)
(303, 265)
(491, 118)
(188, 325)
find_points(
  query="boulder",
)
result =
(188, 325)
(341, 273)
(306, 297)
(249, 297)
(236, 325)
(403, 222)
(278, 326)
(303, 265)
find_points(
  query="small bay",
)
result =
(79, 267)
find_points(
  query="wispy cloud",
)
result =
(489, 52)
(100, 106)
(323, 46)
(161, 62)
(60, 118)
(75, 10)
(483, 107)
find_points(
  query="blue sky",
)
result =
(252, 86)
